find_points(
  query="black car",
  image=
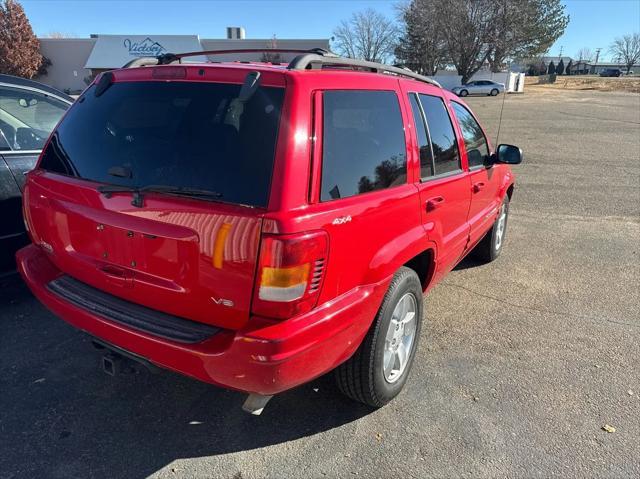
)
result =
(611, 72)
(28, 112)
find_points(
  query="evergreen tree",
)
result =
(542, 68)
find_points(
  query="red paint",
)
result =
(168, 255)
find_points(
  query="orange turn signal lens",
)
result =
(283, 284)
(285, 277)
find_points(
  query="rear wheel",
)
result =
(491, 245)
(494, 92)
(378, 370)
(464, 92)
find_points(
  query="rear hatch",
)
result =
(154, 190)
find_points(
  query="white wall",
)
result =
(68, 57)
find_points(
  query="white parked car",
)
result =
(479, 87)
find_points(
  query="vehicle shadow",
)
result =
(61, 416)
(468, 262)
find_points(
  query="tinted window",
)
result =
(27, 118)
(363, 146)
(474, 140)
(184, 134)
(426, 163)
(443, 138)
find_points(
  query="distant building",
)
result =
(593, 69)
(578, 67)
(75, 60)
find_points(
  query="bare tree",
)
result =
(269, 57)
(56, 34)
(468, 32)
(421, 46)
(585, 54)
(367, 35)
(627, 48)
(19, 47)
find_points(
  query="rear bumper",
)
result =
(264, 357)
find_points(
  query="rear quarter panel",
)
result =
(372, 234)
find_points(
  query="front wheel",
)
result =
(494, 92)
(491, 245)
(464, 93)
(378, 370)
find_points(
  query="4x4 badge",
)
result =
(341, 220)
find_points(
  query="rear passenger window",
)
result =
(474, 140)
(443, 137)
(426, 162)
(363, 147)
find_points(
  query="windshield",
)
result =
(180, 134)
(26, 118)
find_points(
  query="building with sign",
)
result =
(75, 61)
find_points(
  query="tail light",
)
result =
(290, 274)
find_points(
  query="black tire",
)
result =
(464, 92)
(494, 92)
(361, 377)
(489, 248)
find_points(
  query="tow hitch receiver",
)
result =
(116, 361)
(112, 363)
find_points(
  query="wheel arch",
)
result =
(510, 191)
(424, 264)
(412, 249)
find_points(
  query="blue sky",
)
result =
(594, 23)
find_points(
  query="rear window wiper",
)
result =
(137, 201)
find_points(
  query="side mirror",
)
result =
(508, 154)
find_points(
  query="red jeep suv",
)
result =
(255, 226)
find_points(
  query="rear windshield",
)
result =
(181, 134)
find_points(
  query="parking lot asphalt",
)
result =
(521, 362)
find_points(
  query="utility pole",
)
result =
(561, 50)
(597, 56)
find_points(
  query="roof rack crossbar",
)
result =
(168, 58)
(309, 60)
(141, 62)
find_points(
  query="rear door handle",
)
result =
(433, 203)
(478, 186)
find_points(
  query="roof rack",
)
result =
(308, 60)
(315, 58)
